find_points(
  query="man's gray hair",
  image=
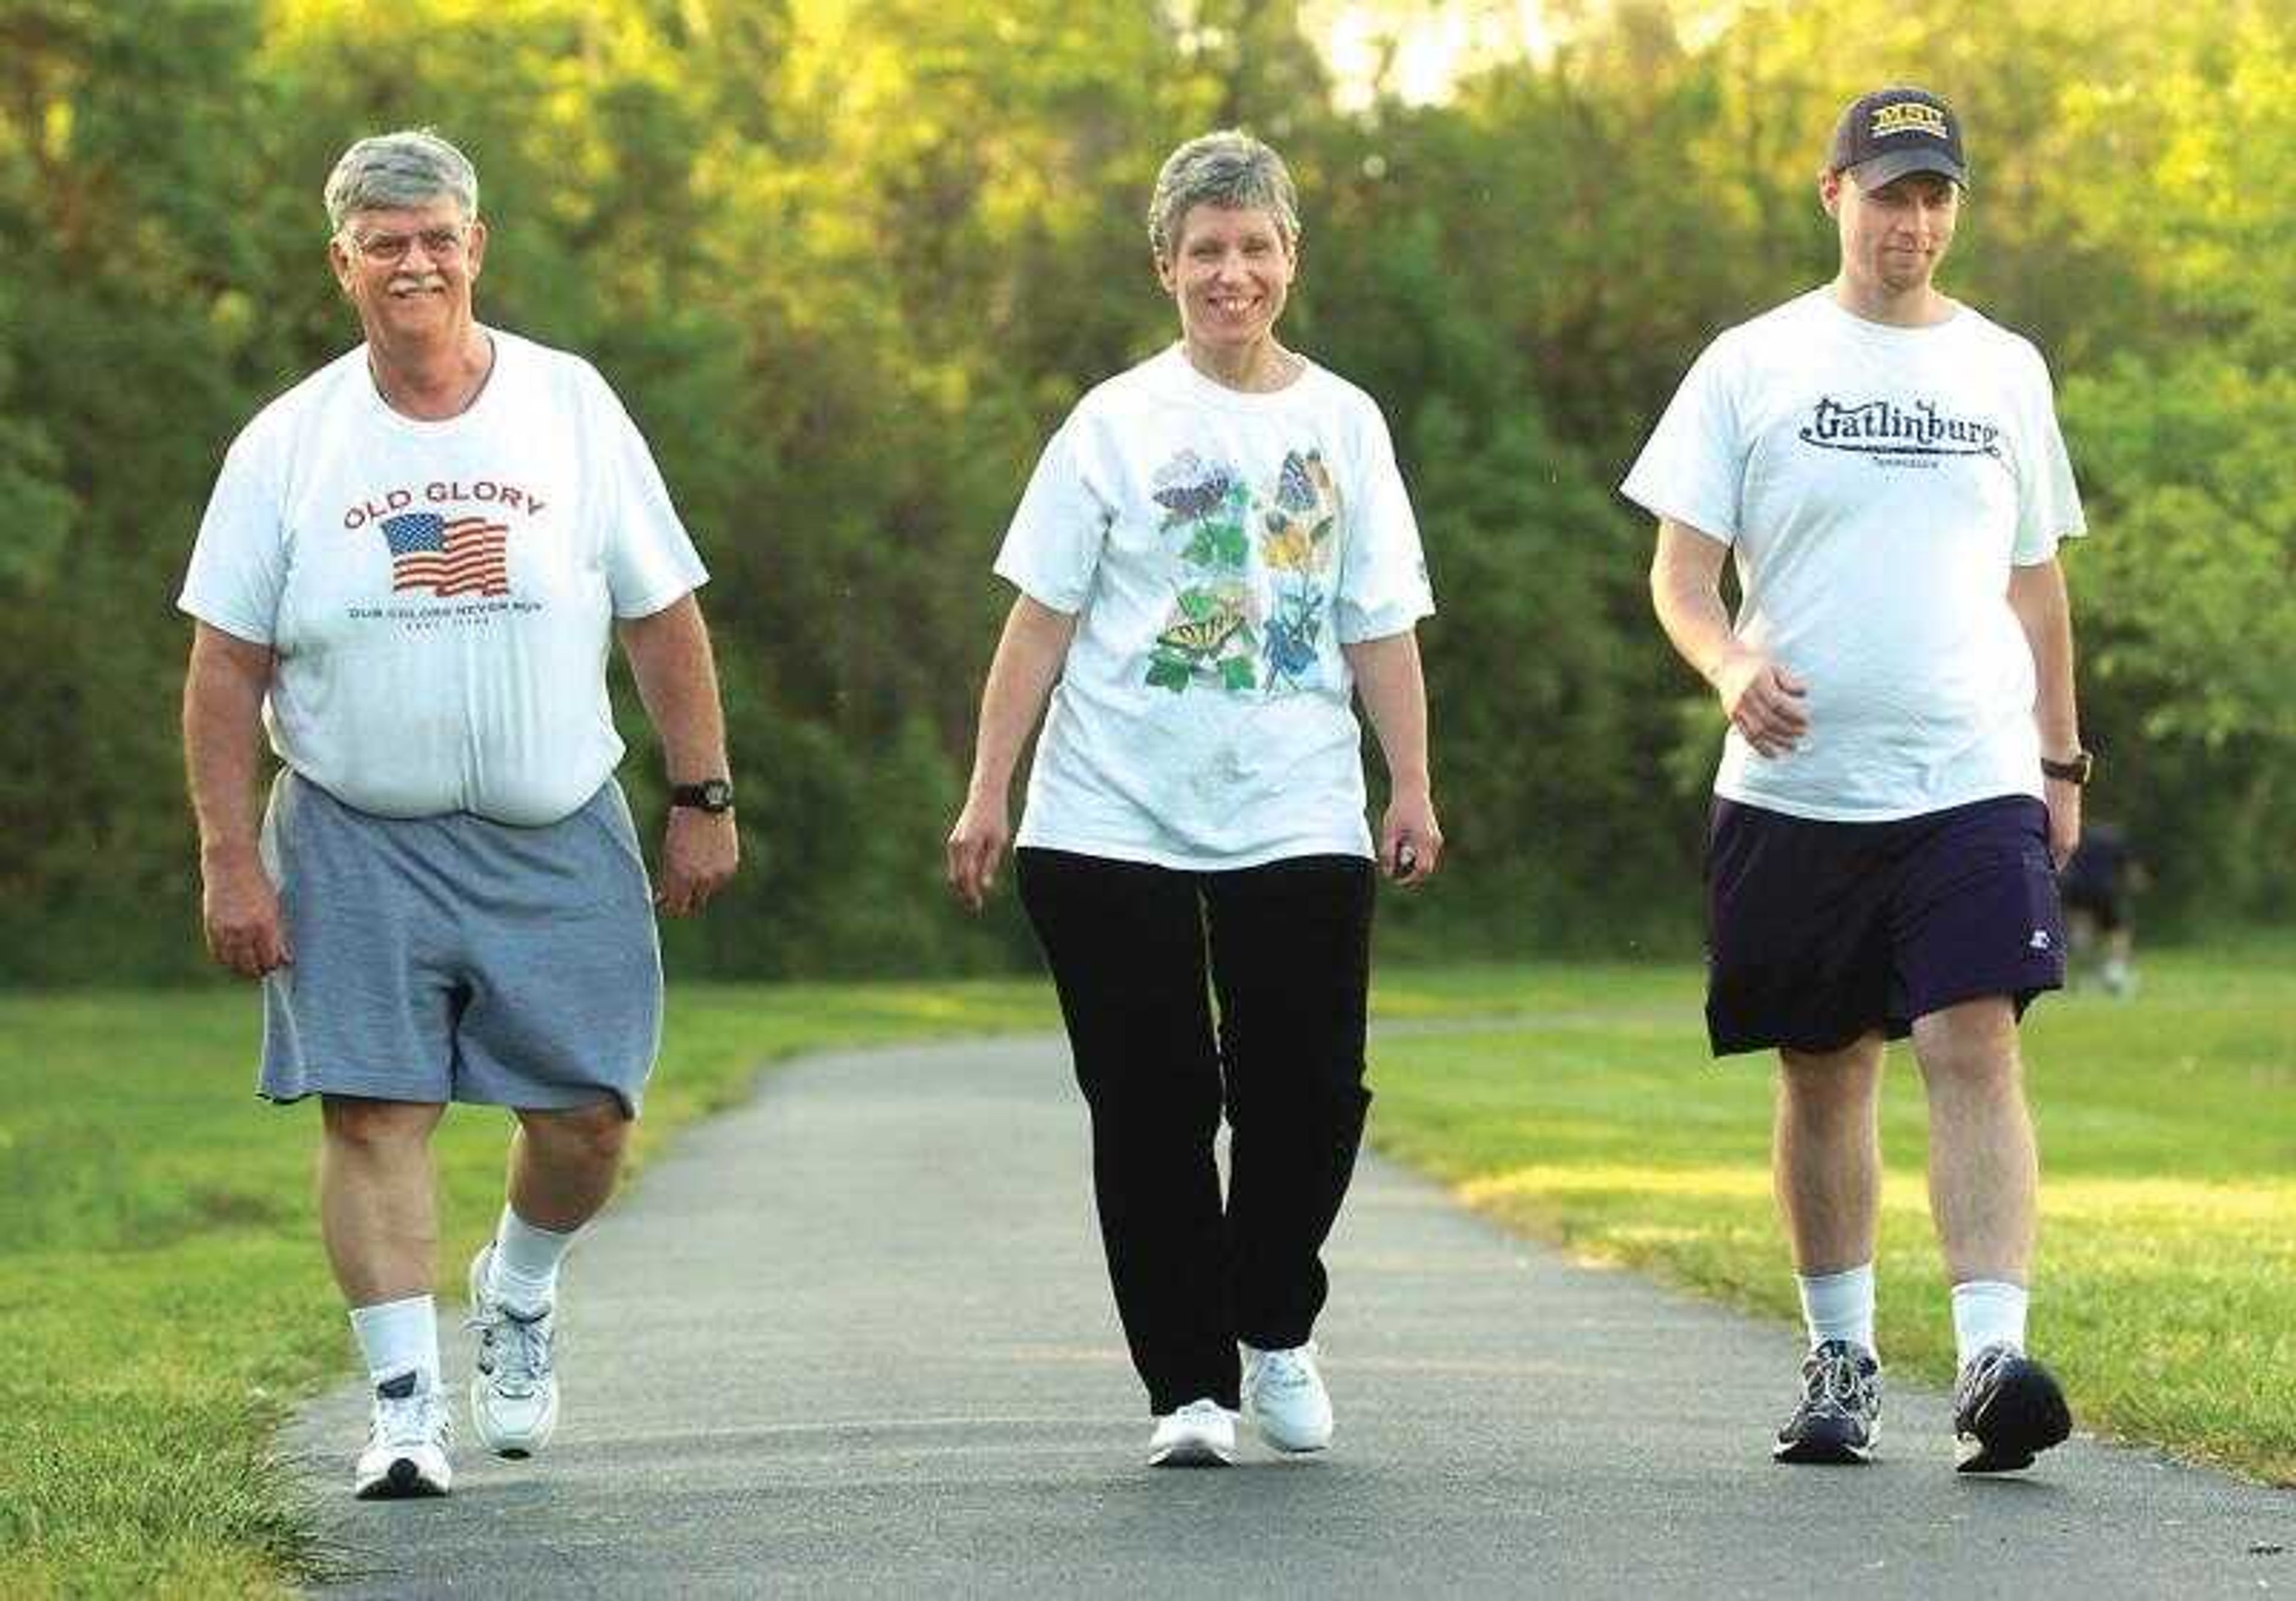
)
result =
(395, 171)
(1228, 168)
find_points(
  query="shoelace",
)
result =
(423, 1418)
(1831, 1374)
(1980, 1372)
(514, 1352)
(1282, 1370)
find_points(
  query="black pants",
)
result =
(1289, 946)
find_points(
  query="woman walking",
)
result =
(1215, 557)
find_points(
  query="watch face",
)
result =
(709, 795)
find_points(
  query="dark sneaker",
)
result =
(2006, 1410)
(1839, 1417)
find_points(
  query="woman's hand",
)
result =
(975, 847)
(1410, 841)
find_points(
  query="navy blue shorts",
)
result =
(1820, 933)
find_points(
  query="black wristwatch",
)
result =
(712, 795)
(2074, 769)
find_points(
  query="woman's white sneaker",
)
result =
(406, 1440)
(1200, 1434)
(1284, 1397)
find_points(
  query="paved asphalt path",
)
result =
(854, 1340)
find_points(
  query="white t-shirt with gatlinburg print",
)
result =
(439, 596)
(1877, 485)
(1218, 548)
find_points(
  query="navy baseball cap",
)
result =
(1886, 135)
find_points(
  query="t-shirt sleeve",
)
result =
(650, 559)
(1383, 588)
(1693, 466)
(2048, 501)
(238, 568)
(1051, 550)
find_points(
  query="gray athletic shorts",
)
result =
(454, 959)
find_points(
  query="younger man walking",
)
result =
(1903, 768)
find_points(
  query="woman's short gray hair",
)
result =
(1229, 169)
(390, 172)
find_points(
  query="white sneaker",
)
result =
(1200, 1434)
(514, 1387)
(406, 1450)
(1284, 1397)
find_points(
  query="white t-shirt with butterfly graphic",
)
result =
(1217, 548)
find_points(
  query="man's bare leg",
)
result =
(1984, 1171)
(1826, 1164)
(562, 1167)
(1984, 1188)
(563, 1163)
(377, 1211)
(379, 1217)
(1827, 1154)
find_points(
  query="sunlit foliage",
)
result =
(849, 260)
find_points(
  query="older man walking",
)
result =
(409, 572)
(1904, 758)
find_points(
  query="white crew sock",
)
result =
(1839, 1305)
(524, 1273)
(1986, 1311)
(398, 1337)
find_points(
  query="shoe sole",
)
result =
(1805, 1453)
(402, 1480)
(1192, 1453)
(2025, 1416)
(1274, 1438)
(1288, 1447)
(1829, 1446)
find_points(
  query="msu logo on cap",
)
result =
(1909, 116)
(1883, 135)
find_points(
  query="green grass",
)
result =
(164, 1303)
(2166, 1287)
(163, 1299)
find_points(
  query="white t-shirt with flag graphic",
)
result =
(439, 596)
(1877, 485)
(1217, 548)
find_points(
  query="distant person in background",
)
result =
(1904, 765)
(2097, 885)
(1216, 557)
(410, 571)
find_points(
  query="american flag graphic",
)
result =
(447, 555)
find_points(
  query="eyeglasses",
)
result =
(389, 250)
